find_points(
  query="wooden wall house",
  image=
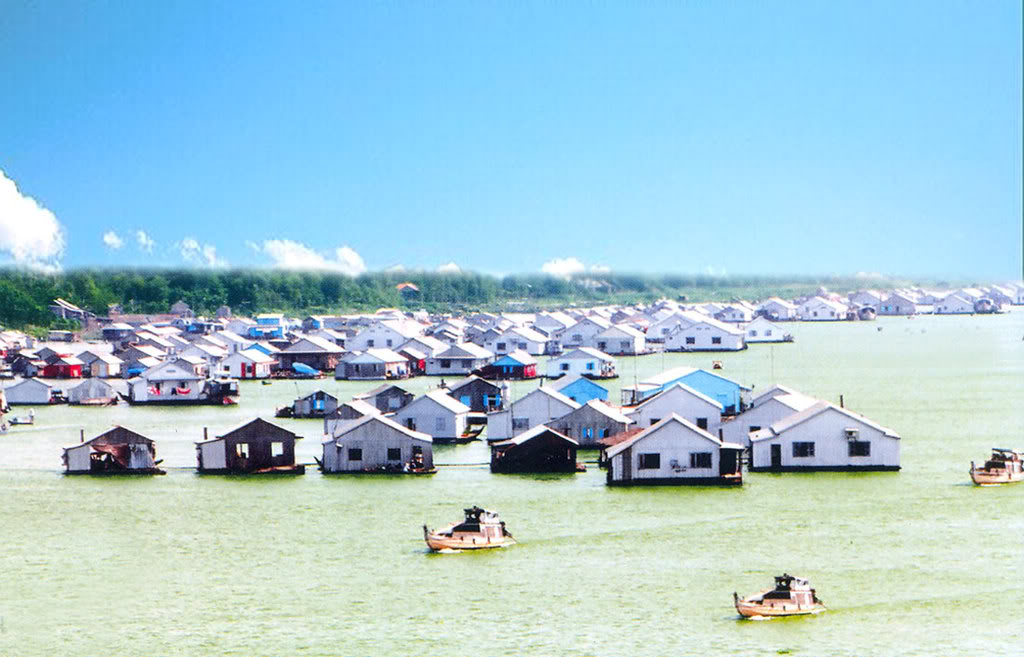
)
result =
(115, 451)
(387, 398)
(28, 391)
(517, 365)
(313, 352)
(481, 395)
(436, 414)
(92, 392)
(256, 447)
(540, 449)
(317, 404)
(590, 423)
(539, 406)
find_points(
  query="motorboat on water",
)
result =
(792, 596)
(1003, 467)
(480, 530)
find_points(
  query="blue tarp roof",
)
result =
(299, 368)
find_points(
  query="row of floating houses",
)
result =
(685, 426)
(180, 359)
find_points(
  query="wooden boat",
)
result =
(1003, 467)
(480, 530)
(792, 596)
(24, 419)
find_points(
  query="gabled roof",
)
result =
(585, 353)
(610, 412)
(255, 355)
(566, 381)
(617, 330)
(593, 319)
(527, 333)
(360, 406)
(465, 350)
(374, 355)
(263, 424)
(661, 396)
(352, 425)
(775, 391)
(553, 394)
(312, 344)
(517, 357)
(470, 379)
(721, 326)
(378, 390)
(787, 423)
(529, 434)
(674, 418)
(441, 397)
(779, 302)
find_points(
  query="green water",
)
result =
(911, 563)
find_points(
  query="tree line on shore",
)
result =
(25, 296)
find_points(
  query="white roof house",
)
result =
(674, 451)
(679, 399)
(778, 309)
(817, 309)
(582, 332)
(661, 327)
(435, 413)
(954, 304)
(764, 413)
(824, 437)
(706, 335)
(582, 361)
(619, 339)
(763, 330)
(462, 358)
(591, 422)
(539, 406)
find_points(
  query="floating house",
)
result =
(591, 422)
(461, 358)
(480, 395)
(584, 331)
(346, 413)
(733, 396)
(818, 309)
(248, 364)
(580, 389)
(387, 398)
(372, 364)
(316, 404)
(540, 406)
(824, 437)
(762, 330)
(116, 451)
(674, 451)
(619, 339)
(179, 382)
(100, 364)
(583, 361)
(92, 392)
(778, 310)
(313, 352)
(776, 404)
(538, 450)
(437, 414)
(256, 447)
(63, 366)
(706, 335)
(515, 365)
(377, 444)
(682, 400)
(28, 391)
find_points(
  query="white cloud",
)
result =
(868, 274)
(29, 233)
(202, 254)
(563, 267)
(600, 269)
(112, 240)
(396, 269)
(287, 254)
(449, 268)
(146, 243)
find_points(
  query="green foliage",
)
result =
(25, 297)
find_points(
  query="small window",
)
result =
(277, 448)
(655, 420)
(767, 332)
(650, 461)
(242, 450)
(446, 363)
(410, 423)
(394, 402)
(520, 423)
(416, 450)
(700, 460)
(702, 422)
(691, 340)
(603, 346)
(753, 333)
(355, 454)
(439, 424)
(369, 343)
(588, 432)
(577, 337)
(803, 450)
(501, 346)
(716, 340)
(565, 366)
(394, 453)
(390, 343)
(753, 427)
(625, 345)
(859, 447)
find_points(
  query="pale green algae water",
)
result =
(911, 563)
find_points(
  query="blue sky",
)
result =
(731, 137)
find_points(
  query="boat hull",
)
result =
(438, 543)
(758, 610)
(996, 478)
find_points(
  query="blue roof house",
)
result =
(580, 389)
